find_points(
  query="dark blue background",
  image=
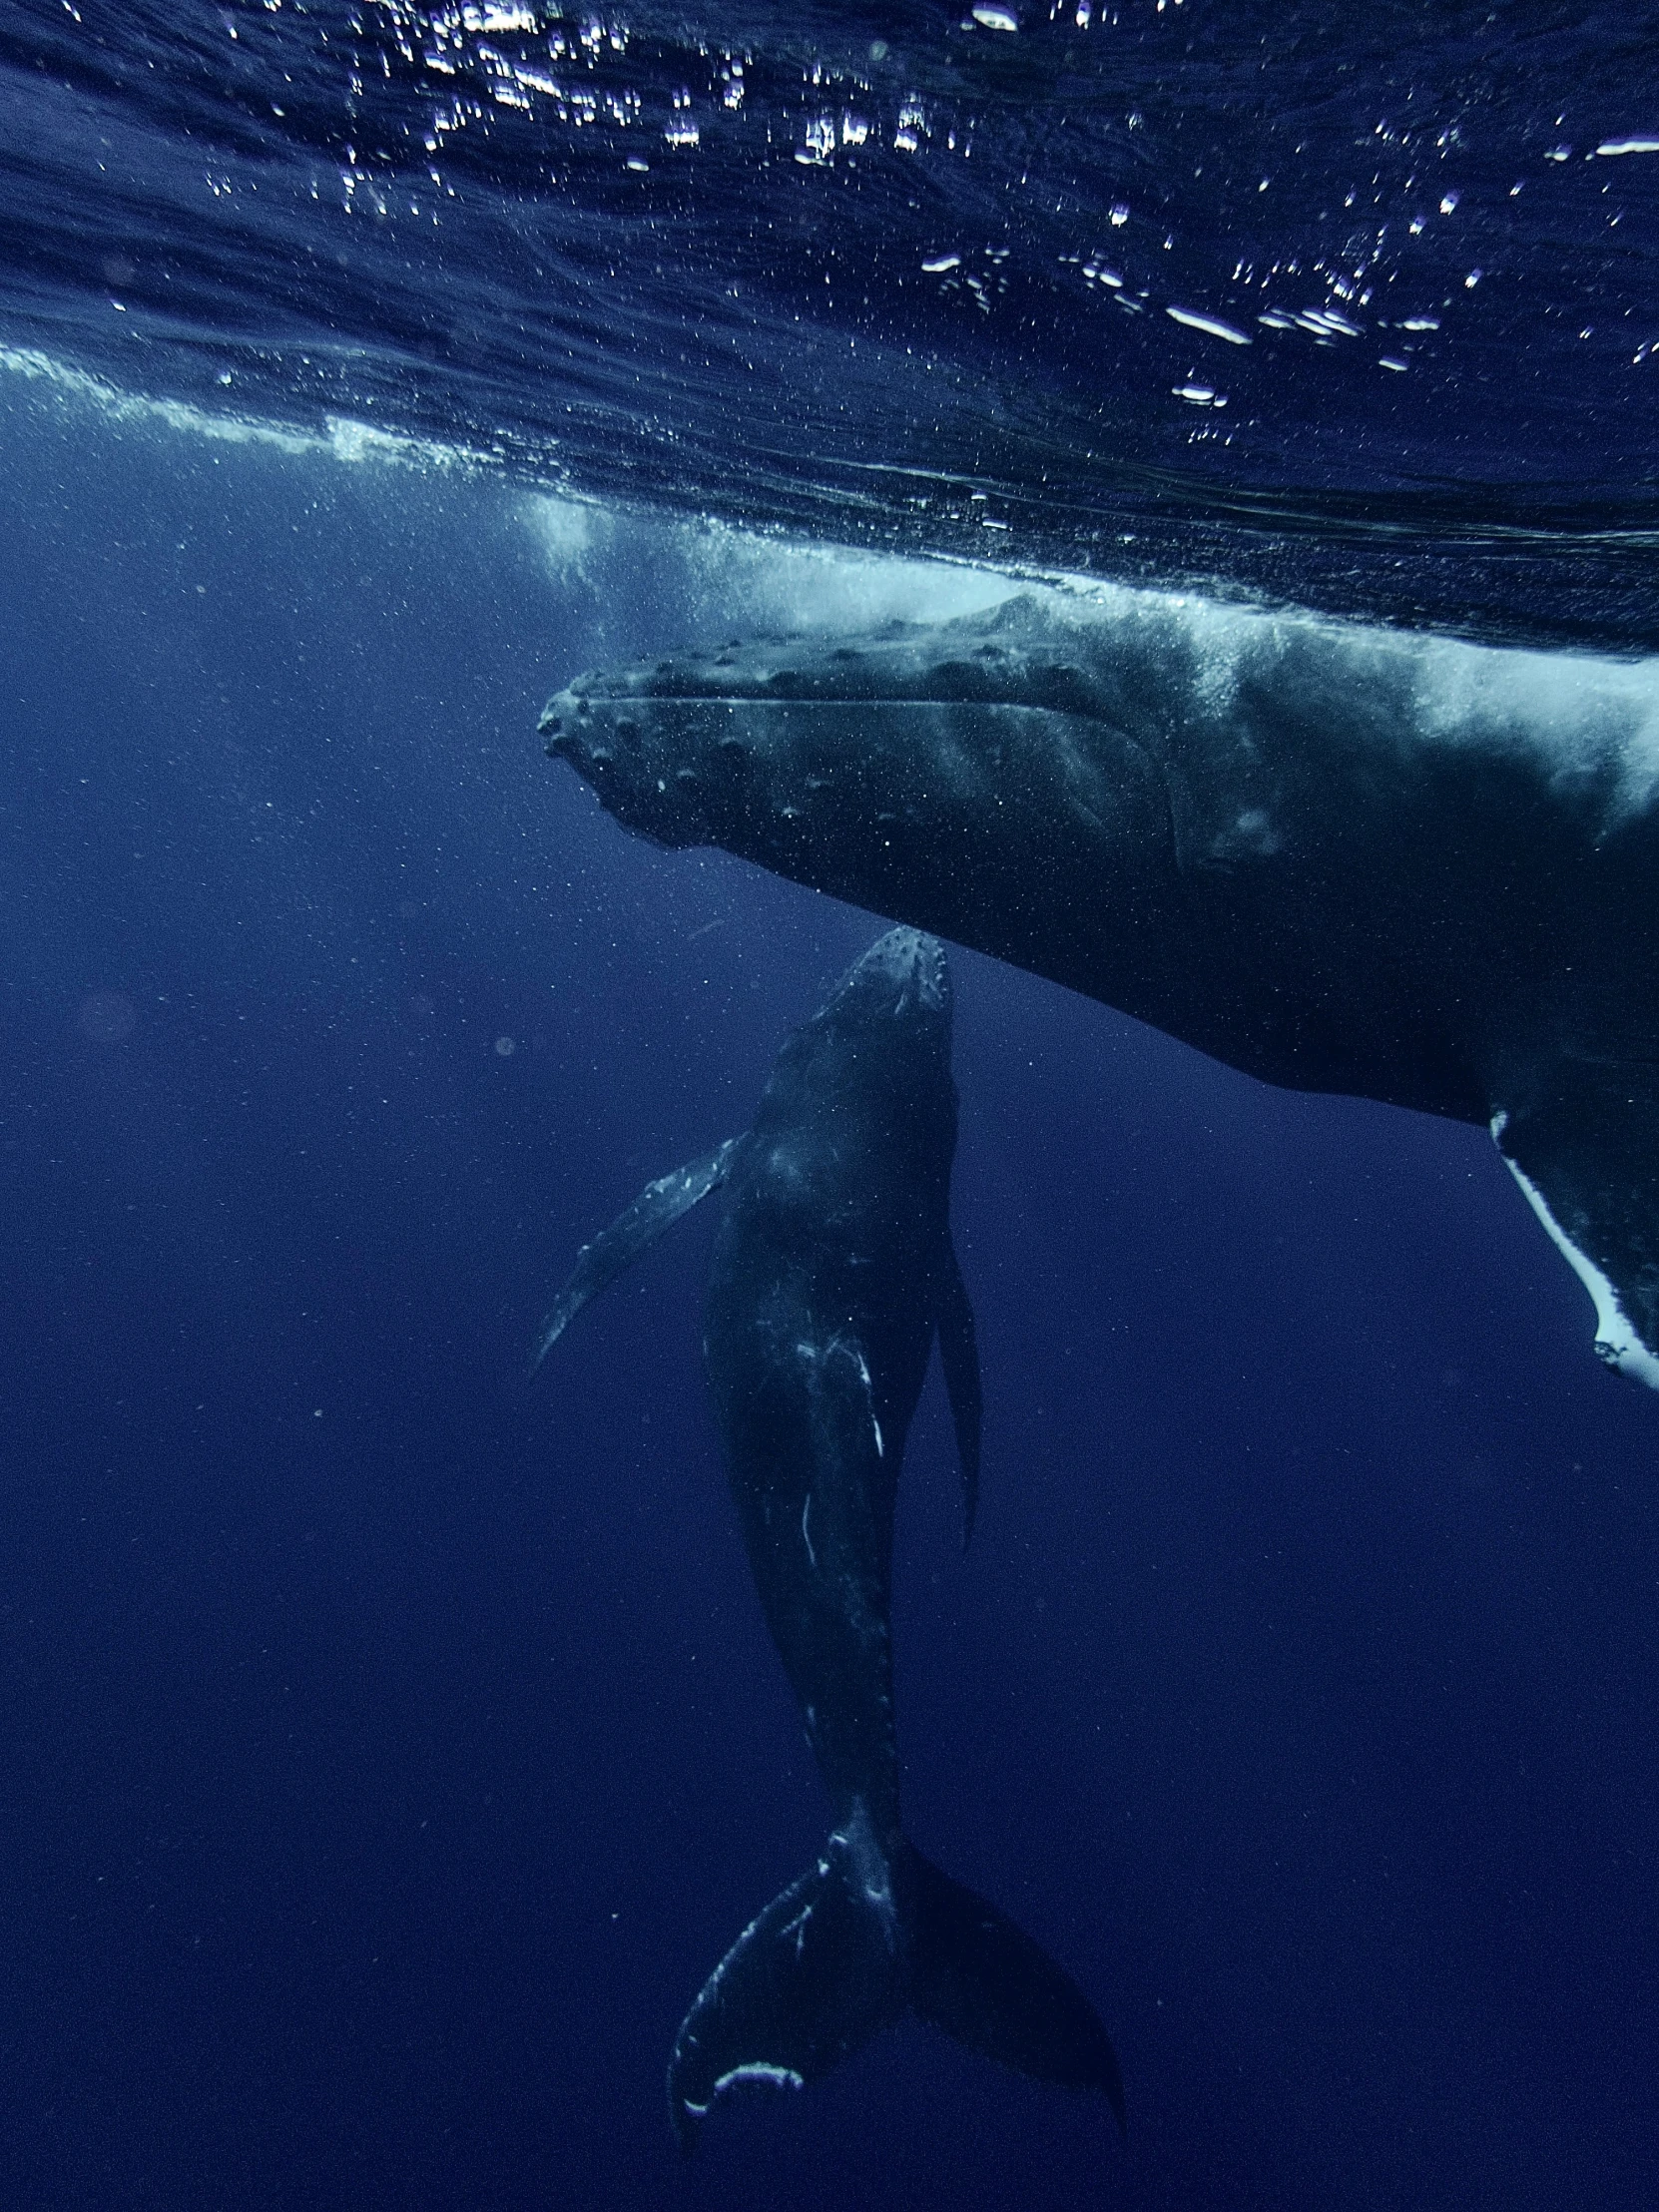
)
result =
(391, 1749)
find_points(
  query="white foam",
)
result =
(1616, 1340)
(1585, 715)
(731, 581)
(1585, 718)
(569, 531)
(341, 438)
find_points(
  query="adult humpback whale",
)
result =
(1396, 865)
(833, 1268)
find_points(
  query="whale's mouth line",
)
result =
(785, 702)
(623, 703)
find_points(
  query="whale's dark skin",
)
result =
(1337, 860)
(833, 1272)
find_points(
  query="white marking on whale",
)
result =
(753, 2069)
(1616, 1340)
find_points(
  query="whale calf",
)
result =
(833, 1272)
(1369, 862)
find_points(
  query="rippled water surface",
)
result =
(1352, 306)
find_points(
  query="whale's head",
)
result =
(787, 748)
(871, 1068)
(756, 747)
(904, 977)
(752, 747)
(878, 1048)
(670, 766)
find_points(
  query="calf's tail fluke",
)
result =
(982, 1980)
(847, 1949)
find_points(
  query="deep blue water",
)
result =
(390, 1749)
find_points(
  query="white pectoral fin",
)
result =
(658, 1207)
(1587, 1161)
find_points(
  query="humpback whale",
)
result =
(1380, 863)
(833, 1272)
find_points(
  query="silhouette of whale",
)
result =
(1392, 864)
(833, 1270)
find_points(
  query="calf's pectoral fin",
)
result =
(959, 1357)
(658, 1207)
(1583, 1144)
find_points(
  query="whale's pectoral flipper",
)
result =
(658, 1207)
(804, 1987)
(1584, 1147)
(959, 1357)
(983, 1980)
